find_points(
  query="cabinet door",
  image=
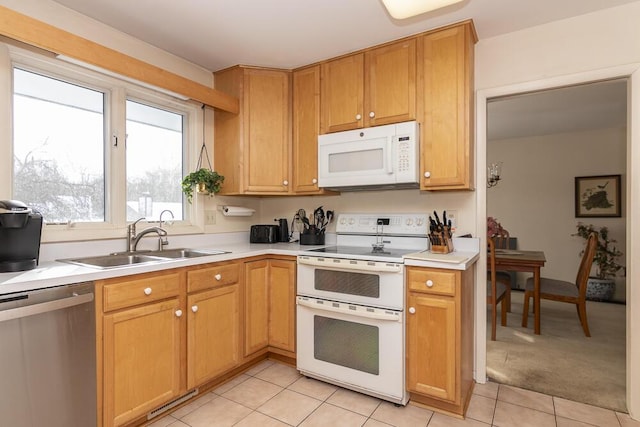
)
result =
(213, 341)
(342, 94)
(306, 126)
(447, 97)
(267, 130)
(431, 346)
(390, 84)
(282, 293)
(256, 306)
(141, 360)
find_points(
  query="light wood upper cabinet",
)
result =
(252, 149)
(371, 88)
(306, 127)
(445, 61)
(342, 98)
(440, 337)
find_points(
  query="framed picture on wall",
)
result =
(598, 196)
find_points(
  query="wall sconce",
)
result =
(493, 174)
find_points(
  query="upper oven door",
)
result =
(375, 284)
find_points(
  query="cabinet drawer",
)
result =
(433, 281)
(140, 291)
(214, 276)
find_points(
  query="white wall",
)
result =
(535, 199)
(599, 45)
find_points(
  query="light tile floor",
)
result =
(273, 394)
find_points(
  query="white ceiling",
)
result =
(585, 107)
(216, 34)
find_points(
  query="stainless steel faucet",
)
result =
(133, 238)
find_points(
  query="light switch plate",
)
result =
(209, 217)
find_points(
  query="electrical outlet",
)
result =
(209, 217)
(453, 216)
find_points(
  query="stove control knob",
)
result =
(409, 221)
(419, 221)
(343, 221)
(412, 310)
(352, 221)
(429, 283)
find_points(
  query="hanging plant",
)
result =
(205, 180)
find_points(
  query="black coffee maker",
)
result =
(20, 232)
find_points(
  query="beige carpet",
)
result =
(562, 361)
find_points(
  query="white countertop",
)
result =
(54, 273)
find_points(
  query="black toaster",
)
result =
(264, 234)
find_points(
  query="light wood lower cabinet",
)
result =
(270, 306)
(440, 337)
(213, 320)
(142, 351)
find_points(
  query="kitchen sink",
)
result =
(186, 253)
(123, 259)
(116, 260)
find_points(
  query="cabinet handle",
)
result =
(314, 181)
(412, 310)
(194, 308)
(429, 283)
(285, 182)
(372, 114)
(218, 276)
(427, 174)
(358, 116)
(147, 291)
(178, 313)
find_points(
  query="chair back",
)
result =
(585, 265)
(501, 239)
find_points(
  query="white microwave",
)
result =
(381, 157)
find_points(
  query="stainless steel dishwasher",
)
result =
(48, 357)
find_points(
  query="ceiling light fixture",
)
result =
(401, 9)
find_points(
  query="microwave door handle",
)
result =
(365, 314)
(390, 141)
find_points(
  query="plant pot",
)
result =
(201, 188)
(600, 289)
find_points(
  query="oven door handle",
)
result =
(367, 314)
(346, 265)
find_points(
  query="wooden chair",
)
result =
(501, 241)
(560, 290)
(496, 292)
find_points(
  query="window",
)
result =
(154, 162)
(58, 149)
(92, 152)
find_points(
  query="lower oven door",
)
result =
(357, 347)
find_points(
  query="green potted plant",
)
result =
(601, 286)
(205, 181)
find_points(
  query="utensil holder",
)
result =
(312, 239)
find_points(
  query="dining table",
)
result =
(528, 262)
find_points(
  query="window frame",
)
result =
(117, 92)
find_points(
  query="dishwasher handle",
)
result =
(44, 307)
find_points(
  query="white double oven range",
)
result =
(351, 304)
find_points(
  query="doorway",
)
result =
(543, 140)
(632, 212)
